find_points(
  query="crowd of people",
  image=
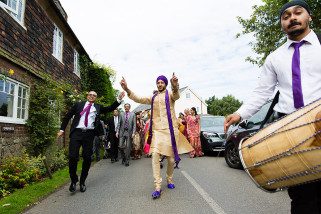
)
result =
(188, 125)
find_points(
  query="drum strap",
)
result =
(270, 111)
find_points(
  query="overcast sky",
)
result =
(142, 39)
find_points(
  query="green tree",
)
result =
(225, 106)
(99, 78)
(264, 24)
(46, 102)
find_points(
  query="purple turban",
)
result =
(163, 78)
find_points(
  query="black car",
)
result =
(212, 133)
(241, 132)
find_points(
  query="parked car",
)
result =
(212, 133)
(240, 132)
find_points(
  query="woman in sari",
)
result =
(137, 139)
(193, 132)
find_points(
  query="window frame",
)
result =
(15, 12)
(14, 119)
(76, 63)
(55, 44)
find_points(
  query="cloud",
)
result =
(193, 38)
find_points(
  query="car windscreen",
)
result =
(212, 121)
(260, 115)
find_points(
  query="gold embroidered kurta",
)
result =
(161, 141)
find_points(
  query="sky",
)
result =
(195, 39)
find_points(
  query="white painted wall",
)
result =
(184, 102)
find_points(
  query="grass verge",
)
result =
(21, 199)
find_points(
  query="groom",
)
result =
(163, 130)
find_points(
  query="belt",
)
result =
(85, 130)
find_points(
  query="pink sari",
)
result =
(193, 131)
(146, 145)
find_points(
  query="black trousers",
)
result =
(114, 142)
(305, 198)
(85, 140)
(96, 147)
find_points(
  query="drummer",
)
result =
(296, 68)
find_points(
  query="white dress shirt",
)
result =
(115, 122)
(277, 72)
(91, 118)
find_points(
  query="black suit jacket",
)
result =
(111, 124)
(78, 107)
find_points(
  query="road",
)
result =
(203, 185)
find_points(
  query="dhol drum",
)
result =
(287, 152)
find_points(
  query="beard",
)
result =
(296, 33)
(161, 89)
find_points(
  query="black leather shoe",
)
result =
(123, 161)
(127, 164)
(116, 160)
(82, 187)
(112, 161)
(72, 187)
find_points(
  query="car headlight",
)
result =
(210, 135)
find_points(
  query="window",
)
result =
(258, 117)
(14, 98)
(76, 63)
(57, 44)
(198, 109)
(188, 95)
(15, 8)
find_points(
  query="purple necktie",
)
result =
(126, 120)
(86, 110)
(296, 76)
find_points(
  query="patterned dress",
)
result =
(137, 140)
(193, 131)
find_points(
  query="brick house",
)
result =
(35, 39)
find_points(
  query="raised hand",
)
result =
(174, 81)
(123, 84)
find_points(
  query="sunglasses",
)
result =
(94, 95)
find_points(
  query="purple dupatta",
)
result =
(170, 124)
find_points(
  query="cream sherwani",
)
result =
(161, 141)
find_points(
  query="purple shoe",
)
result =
(170, 186)
(156, 194)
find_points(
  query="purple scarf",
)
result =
(170, 123)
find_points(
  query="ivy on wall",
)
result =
(46, 104)
(99, 78)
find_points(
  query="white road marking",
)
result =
(213, 204)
